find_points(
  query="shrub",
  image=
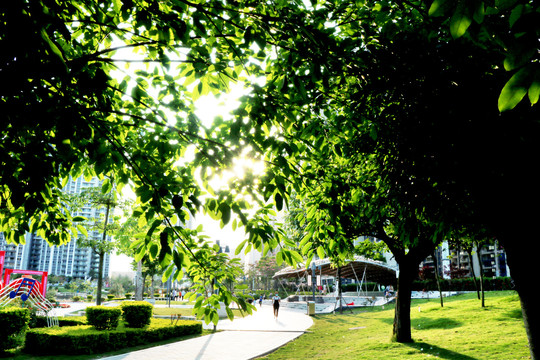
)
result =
(110, 296)
(85, 340)
(465, 284)
(137, 313)
(76, 298)
(41, 321)
(128, 295)
(14, 324)
(89, 297)
(103, 317)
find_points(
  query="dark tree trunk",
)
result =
(436, 265)
(402, 317)
(481, 265)
(522, 260)
(469, 254)
(339, 290)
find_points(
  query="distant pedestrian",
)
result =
(260, 300)
(275, 302)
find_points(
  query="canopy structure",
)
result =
(359, 267)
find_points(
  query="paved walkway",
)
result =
(242, 339)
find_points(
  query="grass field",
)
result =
(186, 312)
(462, 329)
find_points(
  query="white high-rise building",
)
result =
(65, 260)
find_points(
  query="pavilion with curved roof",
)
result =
(359, 268)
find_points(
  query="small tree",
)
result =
(106, 224)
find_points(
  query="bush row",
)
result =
(136, 314)
(14, 322)
(467, 284)
(86, 340)
(41, 321)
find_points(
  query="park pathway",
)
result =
(241, 339)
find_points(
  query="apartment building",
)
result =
(70, 260)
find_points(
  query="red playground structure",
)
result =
(27, 289)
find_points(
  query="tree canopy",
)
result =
(360, 107)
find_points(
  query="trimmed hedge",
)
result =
(103, 317)
(78, 340)
(41, 321)
(14, 324)
(466, 284)
(137, 314)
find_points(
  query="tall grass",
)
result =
(462, 329)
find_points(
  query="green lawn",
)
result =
(167, 311)
(462, 329)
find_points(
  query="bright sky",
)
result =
(208, 107)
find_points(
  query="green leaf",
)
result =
(437, 8)
(230, 313)
(225, 213)
(514, 90)
(279, 258)
(240, 247)
(460, 21)
(82, 230)
(178, 258)
(106, 186)
(279, 201)
(154, 249)
(320, 252)
(167, 274)
(534, 91)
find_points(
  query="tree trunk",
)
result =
(481, 265)
(522, 260)
(436, 265)
(469, 254)
(102, 255)
(139, 284)
(100, 277)
(402, 317)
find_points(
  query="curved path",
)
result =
(242, 339)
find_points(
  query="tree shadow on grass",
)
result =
(426, 323)
(439, 352)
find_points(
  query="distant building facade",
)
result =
(70, 260)
(458, 263)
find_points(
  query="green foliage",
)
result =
(467, 284)
(85, 340)
(103, 317)
(41, 321)
(366, 108)
(137, 314)
(14, 325)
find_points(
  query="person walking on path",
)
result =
(260, 300)
(275, 302)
